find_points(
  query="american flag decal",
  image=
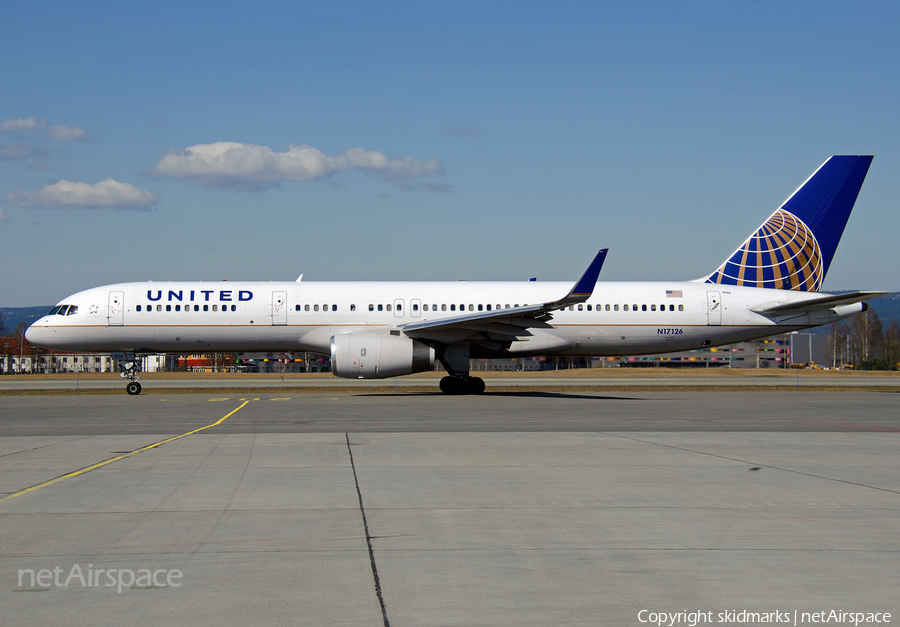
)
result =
(674, 294)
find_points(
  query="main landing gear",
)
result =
(131, 371)
(462, 385)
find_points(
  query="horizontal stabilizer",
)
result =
(774, 309)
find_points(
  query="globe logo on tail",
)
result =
(782, 254)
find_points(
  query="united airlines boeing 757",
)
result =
(375, 330)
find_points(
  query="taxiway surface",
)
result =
(516, 508)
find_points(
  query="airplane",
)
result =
(376, 330)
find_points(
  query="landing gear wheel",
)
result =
(462, 385)
(133, 388)
(450, 385)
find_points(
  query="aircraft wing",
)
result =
(506, 325)
(773, 309)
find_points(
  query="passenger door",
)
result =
(279, 308)
(714, 308)
(116, 314)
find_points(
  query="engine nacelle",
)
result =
(378, 354)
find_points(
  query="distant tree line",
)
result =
(864, 342)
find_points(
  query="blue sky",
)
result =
(431, 140)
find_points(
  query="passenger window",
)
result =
(371, 307)
(315, 308)
(652, 307)
(388, 306)
(424, 307)
(634, 308)
(444, 307)
(616, 307)
(452, 307)
(471, 307)
(297, 308)
(196, 307)
(380, 307)
(607, 308)
(643, 307)
(590, 308)
(177, 307)
(680, 307)
(480, 307)
(671, 307)
(625, 307)
(352, 307)
(334, 308)
(399, 307)
(234, 308)
(138, 308)
(580, 307)
(168, 307)
(507, 306)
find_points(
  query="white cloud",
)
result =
(65, 133)
(3, 216)
(232, 165)
(108, 194)
(16, 152)
(19, 125)
(34, 123)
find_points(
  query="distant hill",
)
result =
(12, 316)
(887, 307)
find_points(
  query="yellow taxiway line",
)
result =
(115, 459)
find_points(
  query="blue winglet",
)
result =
(584, 287)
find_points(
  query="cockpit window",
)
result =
(63, 310)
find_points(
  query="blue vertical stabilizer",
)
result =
(793, 249)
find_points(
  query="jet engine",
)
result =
(378, 354)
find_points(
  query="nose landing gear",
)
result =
(131, 370)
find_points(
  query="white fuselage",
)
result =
(618, 319)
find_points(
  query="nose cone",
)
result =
(35, 335)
